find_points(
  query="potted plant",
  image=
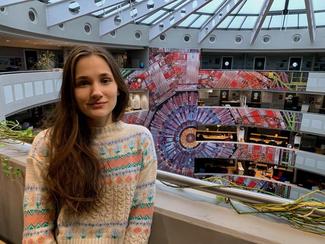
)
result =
(46, 61)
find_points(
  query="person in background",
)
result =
(90, 178)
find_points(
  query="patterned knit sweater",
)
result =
(128, 162)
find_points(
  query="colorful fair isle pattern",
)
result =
(128, 163)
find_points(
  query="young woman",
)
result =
(90, 177)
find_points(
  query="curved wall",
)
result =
(19, 91)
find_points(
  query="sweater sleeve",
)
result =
(39, 212)
(140, 218)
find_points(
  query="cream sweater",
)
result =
(129, 164)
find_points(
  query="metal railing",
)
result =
(233, 193)
(210, 187)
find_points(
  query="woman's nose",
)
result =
(96, 90)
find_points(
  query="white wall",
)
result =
(316, 82)
(310, 162)
(24, 90)
(314, 123)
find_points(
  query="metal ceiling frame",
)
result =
(168, 10)
(175, 17)
(311, 19)
(134, 11)
(260, 20)
(222, 12)
(58, 12)
(143, 8)
(5, 3)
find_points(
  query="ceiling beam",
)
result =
(222, 12)
(260, 20)
(175, 17)
(311, 19)
(126, 16)
(4, 3)
(59, 12)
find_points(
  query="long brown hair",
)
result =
(73, 176)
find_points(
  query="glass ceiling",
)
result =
(283, 14)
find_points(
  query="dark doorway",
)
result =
(31, 59)
(259, 63)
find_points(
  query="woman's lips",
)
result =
(97, 104)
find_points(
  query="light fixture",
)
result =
(187, 38)
(238, 39)
(117, 20)
(162, 37)
(212, 38)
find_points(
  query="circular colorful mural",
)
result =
(173, 126)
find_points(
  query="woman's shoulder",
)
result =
(41, 136)
(137, 131)
(136, 128)
(41, 143)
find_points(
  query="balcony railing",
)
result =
(181, 215)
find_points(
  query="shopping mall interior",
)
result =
(230, 89)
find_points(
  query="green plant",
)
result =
(9, 170)
(45, 61)
(12, 130)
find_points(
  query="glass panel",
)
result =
(211, 7)
(200, 21)
(28, 88)
(276, 21)
(160, 18)
(237, 22)
(296, 4)
(303, 22)
(188, 20)
(18, 88)
(151, 18)
(237, 9)
(320, 18)
(224, 24)
(291, 20)
(266, 22)
(172, 5)
(278, 5)
(9, 97)
(252, 7)
(48, 86)
(319, 4)
(249, 23)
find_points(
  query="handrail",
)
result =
(29, 71)
(233, 193)
(210, 187)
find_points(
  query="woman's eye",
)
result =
(82, 83)
(106, 80)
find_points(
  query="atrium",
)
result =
(229, 89)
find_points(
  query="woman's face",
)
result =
(95, 90)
